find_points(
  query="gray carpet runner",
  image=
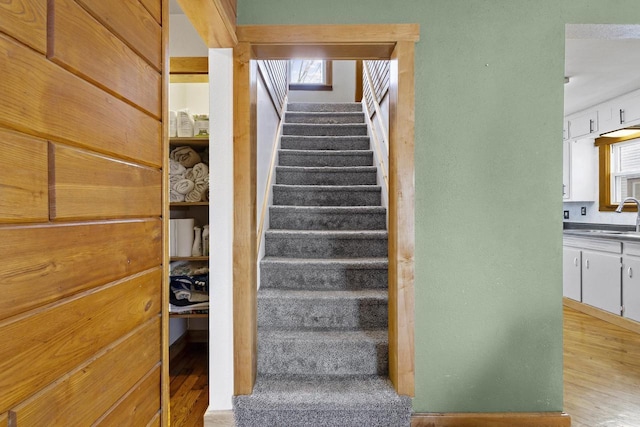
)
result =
(322, 304)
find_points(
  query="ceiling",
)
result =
(602, 62)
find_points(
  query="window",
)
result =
(310, 74)
(619, 164)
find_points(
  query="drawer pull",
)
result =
(586, 264)
(630, 272)
(575, 261)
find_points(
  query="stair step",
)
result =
(329, 353)
(327, 274)
(325, 158)
(323, 117)
(327, 218)
(325, 106)
(300, 142)
(353, 175)
(303, 129)
(327, 195)
(322, 402)
(325, 244)
(322, 310)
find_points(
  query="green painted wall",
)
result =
(489, 90)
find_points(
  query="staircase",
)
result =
(322, 304)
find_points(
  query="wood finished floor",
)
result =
(601, 376)
(189, 386)
(601, 372)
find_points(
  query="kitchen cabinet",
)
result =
(601, 280)
(579, 170)
(583, 125)
(631, 281)
(629, 111)
(572, 273)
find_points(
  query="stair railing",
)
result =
(377, 129)
(275, 75)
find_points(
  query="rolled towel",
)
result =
(199, 172)
(184, 186)
(186, 156)
(175, 168)
(174, 196)
(193, 196)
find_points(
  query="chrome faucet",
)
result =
(637, 202)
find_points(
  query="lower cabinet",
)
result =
(631, 282)
(572, 273)
(601, 281)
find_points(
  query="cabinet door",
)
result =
(579, 170)
(629, 111)
(583, 125)
(571, 273)
(631, 288)
(601, 281)
(566, 169)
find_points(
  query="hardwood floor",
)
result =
(601, 372)
(189, 386)
(601, 376)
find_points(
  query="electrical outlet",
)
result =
(583, 210)
(566, 214)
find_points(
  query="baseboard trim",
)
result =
(177, 347)
(615, 319)
(494, 419)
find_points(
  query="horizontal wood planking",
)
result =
(66, 399)
(57, 338)
(113, 66)
(360, 33)
(64, 107)
(510, 419)
(55, 261)
(154, 7)
(133, 23)
(25, 20)
(4, 420)
(85, 185)
(139, 406)
(23, 178)
(155, 422)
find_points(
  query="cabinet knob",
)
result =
(586, 263)
(630, 272)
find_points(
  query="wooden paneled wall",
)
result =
(82, 151)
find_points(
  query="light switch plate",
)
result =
(583, 210)
(566, 214)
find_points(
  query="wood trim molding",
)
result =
(213, 20)
(189, 65)
(244, 220)
(359, 82)
(614, 319)
(401, 219)
(498, 419)
(604, 174)
(332, 39)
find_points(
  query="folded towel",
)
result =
(174, 196)
(184, 186)
(199, 172)
(193, 196)
(175, 168)
(186, 156)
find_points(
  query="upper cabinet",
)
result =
(629, 111)
(583, 125)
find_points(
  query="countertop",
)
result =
(602, 231)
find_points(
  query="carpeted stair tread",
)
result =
(325, 117)
(319, 158)
(327, 195)
(326, 243)
(361, 263)
(327, 217)
(325, 106)
(305, 129)
(345, 175)
(331, 353)
(322, 310)
(344, 142)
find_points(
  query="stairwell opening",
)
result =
(392, 42)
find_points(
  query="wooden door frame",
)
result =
(377, 41)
